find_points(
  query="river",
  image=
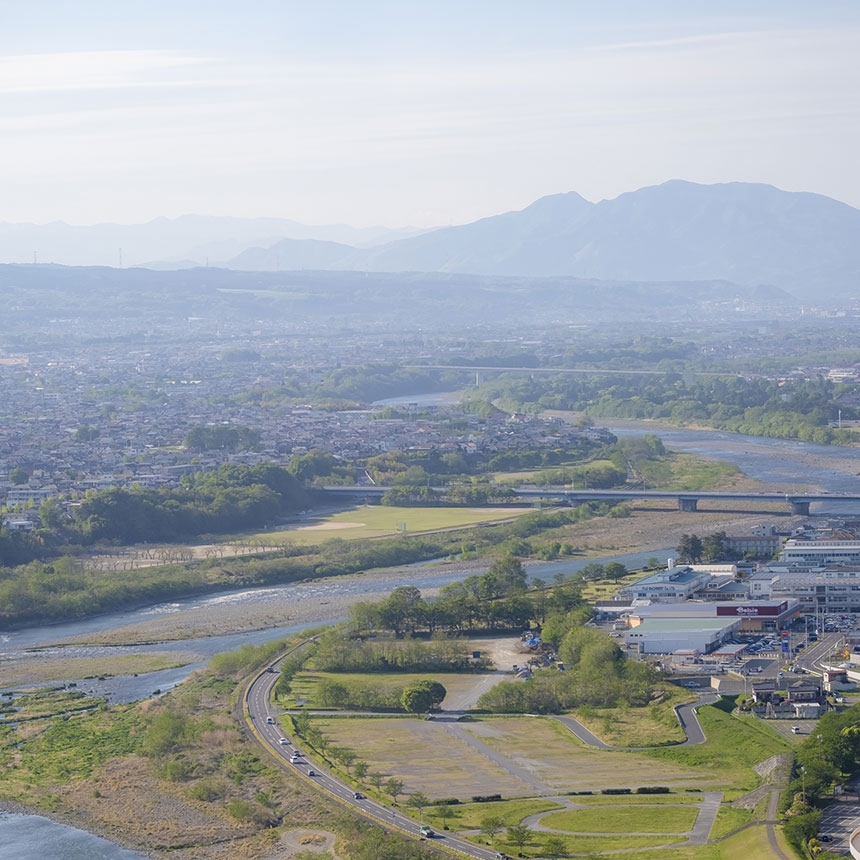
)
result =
(789, 464)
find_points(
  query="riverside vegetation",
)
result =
(175, 776)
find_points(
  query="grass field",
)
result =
(424, 755)
(590, 846)
(624, 819)
(381, 520)
(733, 746)
(639, 727)
(469, 815)
(688, 472)
(558, 759)
(304, 685)
(750, 844)
(729, 819)
(627, 799)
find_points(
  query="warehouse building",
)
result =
(670, 635)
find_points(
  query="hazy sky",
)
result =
(414, 112)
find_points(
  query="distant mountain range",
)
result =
(680, 232)
(171, 243)
(746, 233)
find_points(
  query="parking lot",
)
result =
(837, 822)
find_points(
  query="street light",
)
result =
(803, 783)
(819, 747)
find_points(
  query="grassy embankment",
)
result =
(734, 744)
(653, 725)
(175, 777)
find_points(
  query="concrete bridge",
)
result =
(687, 500)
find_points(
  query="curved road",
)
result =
(258, 708)
(686, 717)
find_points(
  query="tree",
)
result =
(418, 801)
(444, 811)
(509, 574)
(713, 546)
(690, 549)
(416, 699)
(555, 846)
(19, 476)
(491, 825)
(519, 834)
(375, 778)
(360, 770)
(394, 787)
(614, 570)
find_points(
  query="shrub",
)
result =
(486, 798)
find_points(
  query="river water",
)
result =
(791, 465)
(32, 837)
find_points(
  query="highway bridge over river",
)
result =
(687, 500)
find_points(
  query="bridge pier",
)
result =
(801, 508)
(687, 504)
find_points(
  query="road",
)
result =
(812, 657)
(258, 707)
(686, 716)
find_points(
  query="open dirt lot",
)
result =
(557, 759)
(424, 755)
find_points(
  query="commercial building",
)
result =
(754, 616)
(668, 635)
(673, 585)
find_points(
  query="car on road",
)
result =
(502, 856)
(270, 721)
(312, 773)
(295, 760)
(795, 730)
(357, 795)
(426, 832)
(283, 741)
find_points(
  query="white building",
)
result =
(669, 635)
(817, 553)
(829, 589)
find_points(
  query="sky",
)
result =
(414, 113)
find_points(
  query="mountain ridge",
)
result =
(747, 233)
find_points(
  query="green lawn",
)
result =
(303, 687)
(468, 815)
(380, 520)
(624, 819)
(729, 819)
(733, 746)
(749, 844)
(577, 845)
(627, 799)
(638, 727)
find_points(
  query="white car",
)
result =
(283, 741)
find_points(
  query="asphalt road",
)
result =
(810, 658)
(686, 715)
(258, 696)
